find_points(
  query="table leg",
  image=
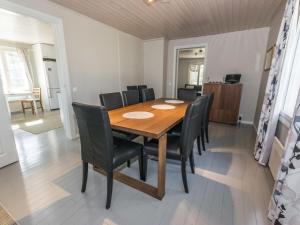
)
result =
(156, 192)
(161, 173)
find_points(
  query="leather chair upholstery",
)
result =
(111, 100)
(140, 88)
(208, 109)
(99, 148)
(148, 94)
(132, 88)
(181, 147)
(187, 94)
(130, 97)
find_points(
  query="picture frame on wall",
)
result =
(269, 57)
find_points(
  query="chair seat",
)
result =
(125, 150)
(124, 135)
(173, 151)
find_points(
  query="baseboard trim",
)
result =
(247, 122)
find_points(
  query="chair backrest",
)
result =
(210, 101)
(191, 126)
(187, 94)
(148, 94)
(95, 135)
(130, 97)
(36, 92)
(140, 88)
(111, 100)
(132, 87)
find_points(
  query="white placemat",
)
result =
(174, 101)
(138, 115)
(163, 106)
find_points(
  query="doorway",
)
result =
(20, 86)
(190, 67)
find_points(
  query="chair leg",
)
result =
(202, 139)
(145, 165)
(109, 178)
(183, 174)
(206, 133)
(32, 108)
(192, 162)
(128, 163)
(23, 108)
(141, 166)
(198, 145)
(85, 167)
(42, 106)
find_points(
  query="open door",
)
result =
(8, 150)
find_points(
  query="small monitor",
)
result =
(233, 78)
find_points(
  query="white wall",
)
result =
(19, 28)
(237, 52)
(154, 59)
(94, 57)
(131, 60)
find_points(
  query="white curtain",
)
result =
(272, 104)
(284, 208)
(22, 53)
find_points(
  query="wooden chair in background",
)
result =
(36, 96)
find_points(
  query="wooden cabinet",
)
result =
(226, 105)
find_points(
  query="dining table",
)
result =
(164, 116)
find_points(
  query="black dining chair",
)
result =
(202, 125)
(111, 100)
(180, 147)
(99, 148)
(148, 94)
(130, 97)
(187, 94)
(140, 88)
(132, 88)
(206, 121)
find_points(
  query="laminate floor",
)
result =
(229, 187)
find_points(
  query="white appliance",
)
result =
(52, 83)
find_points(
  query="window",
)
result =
(196, 74)
(13, 73)
(290, 73)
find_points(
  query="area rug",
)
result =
(5, 218)
(39, 124)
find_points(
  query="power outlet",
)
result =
(240, 118)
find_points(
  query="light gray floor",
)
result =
(229, 187)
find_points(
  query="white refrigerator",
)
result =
(52, 83)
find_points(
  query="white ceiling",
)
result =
(18, 28)
(178, 18)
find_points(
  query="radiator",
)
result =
(275, 158)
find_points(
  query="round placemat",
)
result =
(163, 106)
(174, 101)
(139, 115)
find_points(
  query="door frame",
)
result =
(175, 63)
(61, 59)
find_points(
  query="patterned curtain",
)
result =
(284, 208)
(268, 119)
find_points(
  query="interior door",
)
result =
(8, 150)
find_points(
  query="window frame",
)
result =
(4, 68)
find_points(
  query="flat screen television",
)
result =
(233, 78)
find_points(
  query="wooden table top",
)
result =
(154, 127)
